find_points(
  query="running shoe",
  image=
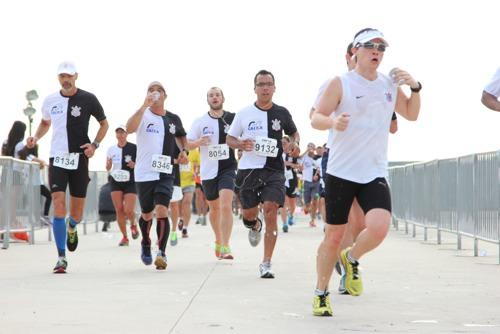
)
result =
(61, 265)
(353, 282)
(321, 306)
(198, 221)
(134, 231)
(105, 227)
(181, 224)
(204, 221)
(146, 257)
(265, 270)
(123, 242)
(312, 223)
(185, 233)
(254, 236)
(72, 239)
(285, 228)
(161, 261)
(290, 220)
(217, 250)
(226, 253)
(173, 238)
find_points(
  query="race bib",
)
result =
(185, 167)
(266, 147)
(218, 152)
(120, 175)
(288, 174)
(161, 163)
(66, 160)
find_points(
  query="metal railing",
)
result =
(20, 202)
(20, 207)
(459, 195)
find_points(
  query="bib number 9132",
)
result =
(266, 147)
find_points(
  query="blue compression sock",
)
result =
(59, 228)
(72, 222)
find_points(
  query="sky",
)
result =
(451, 47)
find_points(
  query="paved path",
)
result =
(410, 287)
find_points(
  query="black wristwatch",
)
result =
(96, 144)
(416, 90)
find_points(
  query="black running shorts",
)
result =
(292, 186)
(152, 193)
(77, 179)
(260, 185)
(124, 187)
(340, 194)
(212, 187)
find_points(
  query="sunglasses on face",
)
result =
(264, 84)
(370, 45)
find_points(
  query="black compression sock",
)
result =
(162, 231)
(145, 226)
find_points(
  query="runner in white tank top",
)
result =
(358, 108)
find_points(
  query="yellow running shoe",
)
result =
(161, 261)
(225, 253)
(353, 282)
(321, 306)
(218, 249)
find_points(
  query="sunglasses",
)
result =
(264, 84)
(370, 45)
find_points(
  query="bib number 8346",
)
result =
(161, 163)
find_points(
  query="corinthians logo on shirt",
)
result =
(276, 124)
(171, 128)
(75, 111)
(128, 158)
(226, 128)
(255, 125)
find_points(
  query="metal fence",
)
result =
(20, 207)
(20, 202)
(458, 195)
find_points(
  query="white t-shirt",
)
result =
(155, 135)
(254, 123)
(494, 86)
(70, 118)
(359, 153)
(19, 147)
(216, 129)
(309, 164)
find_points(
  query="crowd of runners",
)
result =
(342, 182)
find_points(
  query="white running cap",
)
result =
(367, 36)
(66, 67)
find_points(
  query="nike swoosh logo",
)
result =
(360, 96)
